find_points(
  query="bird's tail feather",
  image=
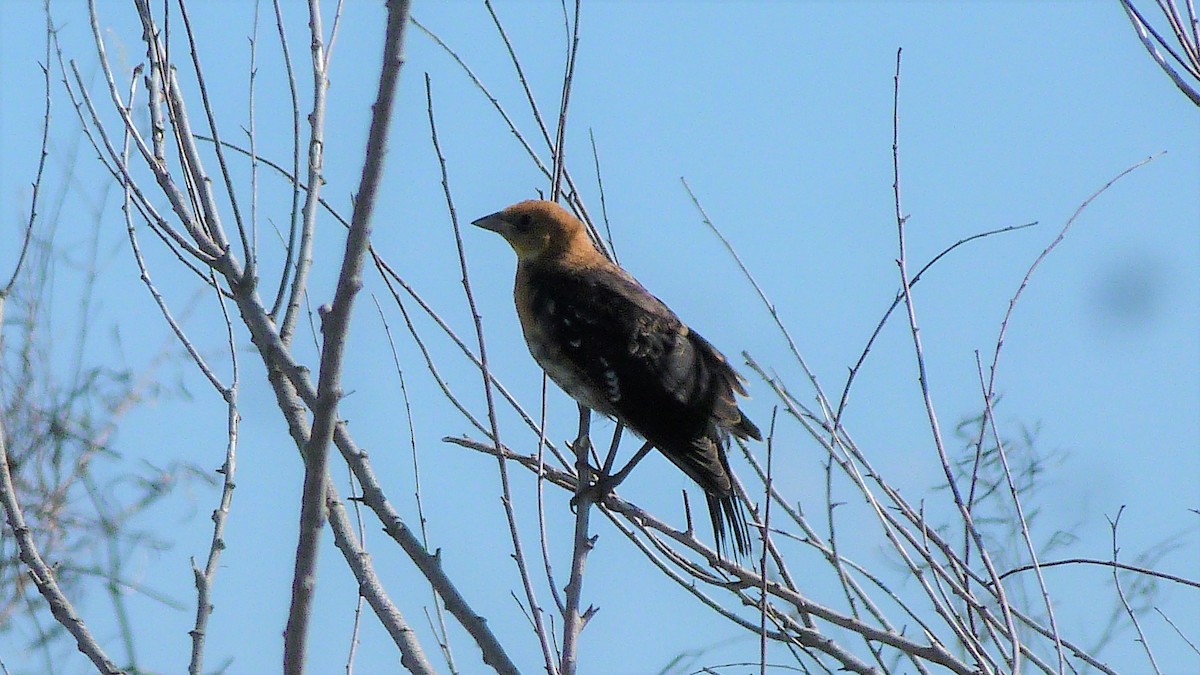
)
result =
(729, 521)
(744, 428)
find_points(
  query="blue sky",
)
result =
(779, 115)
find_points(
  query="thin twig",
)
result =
(844, 399)
(506, 490)
(252, 135)
(204, 578)
(1137, 625)
(543, 535)
(247, 250)
(1107, 563)
(572, 193)
(1191, 645)
(181, 203)
(1145, 31)
(612, 249)
(440, 630)
(37, 177)
(769, 483)
(337, 21)
(294, 220)
(316, 163)
(201, 247)
(1012, 303)
(144, 274)
(559, 154)
(760, 292)
(923, 377)
(1022, 521)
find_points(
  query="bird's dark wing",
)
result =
(612, 340)
(619, 350)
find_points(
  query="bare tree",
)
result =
(960, 589)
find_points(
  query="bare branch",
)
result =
(316, 162)
(440, 629)
(765, 533)
(506, 491)
(1190, 44)
(335, 324)
(294, 220)
(582, 544)
(1137, 625)
(41, 166)
(1022, 521)
(204, 578)
(248, 251)
(1174, 578)
(559, 153)
(740, 577)
(923, 379)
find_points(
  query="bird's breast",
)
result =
(551, 356)
(555, 334)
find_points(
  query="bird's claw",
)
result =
(596, 492)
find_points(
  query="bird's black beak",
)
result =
(494, 222)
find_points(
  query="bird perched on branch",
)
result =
(618, 350)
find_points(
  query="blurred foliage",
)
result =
(82, 497)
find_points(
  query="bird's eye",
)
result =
(524, 221)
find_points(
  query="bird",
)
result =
(620, 351)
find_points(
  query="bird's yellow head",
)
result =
(540, 230)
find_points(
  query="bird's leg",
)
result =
(604, 482)
(612, 451)
(609, 483)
